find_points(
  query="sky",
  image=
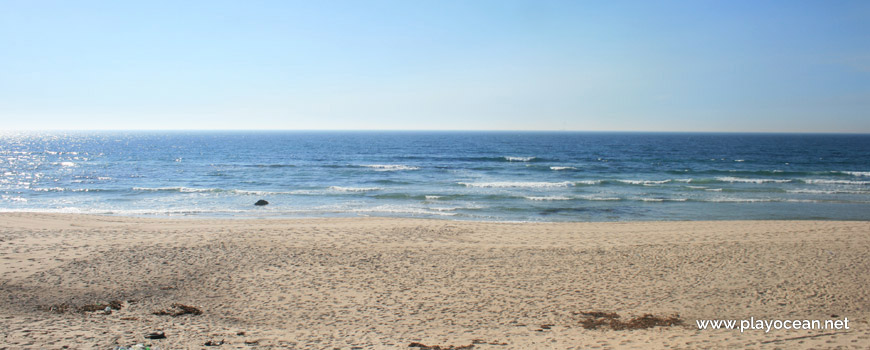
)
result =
(722, 66)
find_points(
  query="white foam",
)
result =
(262, 193)
(390, 167)
(855, 173)
(67, 164)
(587, 182)
(697, 187)
(551, 198)
(835, 182)
(714, 190)
(644, 182)
(14, 199)
(175, 189)
(506, 184)
(355, 189)
(433, 197)
(826, 192)
(50, 189)
(593, 198)
(557, 168)
(444, 208)
(739, 160)
(395, 209)
(745, 180)
(518, 159)
(738, 200)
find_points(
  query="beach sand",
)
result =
(387, 282)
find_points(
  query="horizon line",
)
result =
(443, 130)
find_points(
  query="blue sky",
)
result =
(781, 66)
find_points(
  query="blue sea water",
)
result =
(493, 176)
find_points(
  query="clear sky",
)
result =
(783, 66)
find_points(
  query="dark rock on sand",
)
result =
(261, 202)
(155, 335)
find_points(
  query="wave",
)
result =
(647, 199)
(594, 198)
(551, 198)
(13, 198)
(506, 184)
(737, 200)
(270, 165)
(557, 168)
(745, 180)
(432, 197)
(61, 189)
(854, 173)
(834, 182)
(809, 191)
(519, 159)
(390, 167)
(355, 189)
(587, 182)
(176, 189)
(644, 182)
(392, 209)
(735, 172)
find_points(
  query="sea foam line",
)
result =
(551, 198)
(834, 182)
(506, 184)
(176, 189)
(355, 189)
(390, 167)
(826, 192)
(854, 173)
(745, 180)
(644, 182)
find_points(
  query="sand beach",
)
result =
(386, 283)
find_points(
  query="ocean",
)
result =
(488, 176)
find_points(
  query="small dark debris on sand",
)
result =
(481, 341)
(599, 314)
(62, 308)
(439, 347)
(179, 310)
(240, 333)
(214, 343)
(155, 335)
(593, 320)
(114, 305)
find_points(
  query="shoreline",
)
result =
(378, 282)
(351, 216)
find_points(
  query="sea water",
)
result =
(492, 176)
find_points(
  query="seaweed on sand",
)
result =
(178, 309)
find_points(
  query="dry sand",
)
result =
(386, 282)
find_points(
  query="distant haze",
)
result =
(771, 66)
